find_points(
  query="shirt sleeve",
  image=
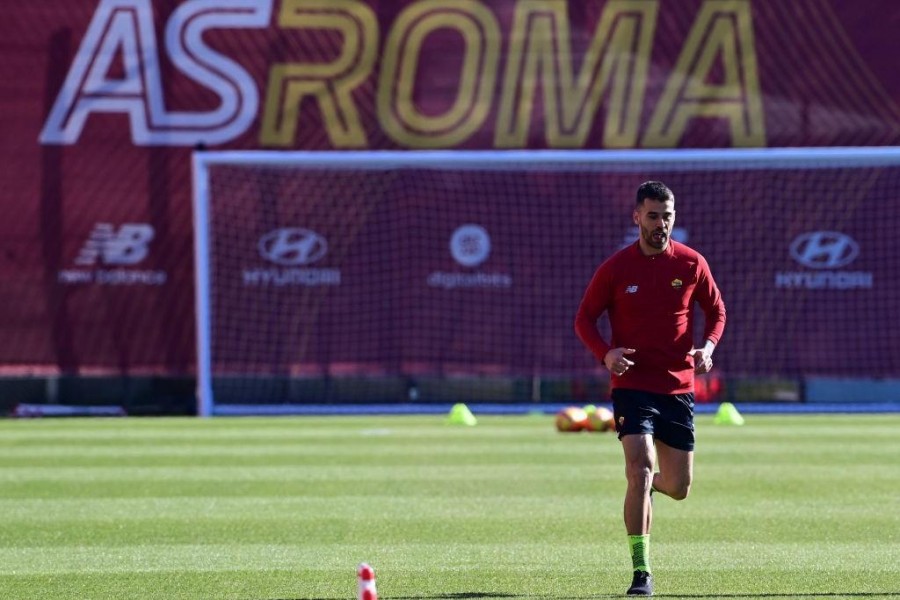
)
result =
(594, 303)
(709, 298)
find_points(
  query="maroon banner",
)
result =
(103, 100)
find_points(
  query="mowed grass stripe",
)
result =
(498, 526)
(261, 452)
(48, 489)
(307, 473)
(864, 474)
(398, 452)
(521, 557)
(254, 429)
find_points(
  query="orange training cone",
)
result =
(366, 577)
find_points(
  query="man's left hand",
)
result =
(702, 360)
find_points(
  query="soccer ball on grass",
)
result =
(571, 419)
(601, 419)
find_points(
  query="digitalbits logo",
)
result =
(470, 247)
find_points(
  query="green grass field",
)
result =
(801, 506)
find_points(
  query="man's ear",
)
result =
(636, 217)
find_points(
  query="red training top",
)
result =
(650, 304)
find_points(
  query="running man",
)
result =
(648, 289)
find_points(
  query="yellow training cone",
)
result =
(728, 415)
(461, 415)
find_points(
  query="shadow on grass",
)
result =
(448, 596)
(465, 595)
(788, 596)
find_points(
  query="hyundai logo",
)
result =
(292, 246)
(824, 249)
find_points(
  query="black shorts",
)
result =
(669, 418)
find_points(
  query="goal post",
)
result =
(399, 266)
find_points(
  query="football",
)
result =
(571, 419)
(601, 419)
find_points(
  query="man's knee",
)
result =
(676, 471)
(680, 489)
(639, 474)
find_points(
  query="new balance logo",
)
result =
(108, 257)
(128, 245)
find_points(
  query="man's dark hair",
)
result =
(655, 190)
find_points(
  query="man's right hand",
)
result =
(616, 361)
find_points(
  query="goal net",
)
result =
(329, 277)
